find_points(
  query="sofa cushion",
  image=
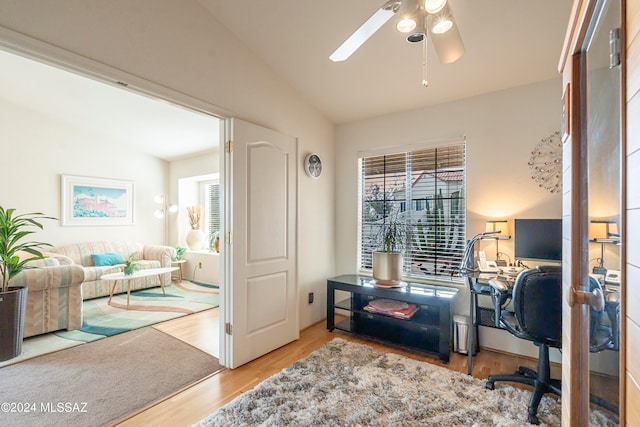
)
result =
(34, 262)
(94, 273)
(81, 253)
(110, 258)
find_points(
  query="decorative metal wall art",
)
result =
(546, 163)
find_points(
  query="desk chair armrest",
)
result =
(499, 285)
(500, 292)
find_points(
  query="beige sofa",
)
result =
(149, 256)
(54, 298)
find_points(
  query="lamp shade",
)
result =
(500, 225)
(448, 44)
(603, 231)
(408, 14)
(434, 6)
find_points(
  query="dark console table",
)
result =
(429, 329)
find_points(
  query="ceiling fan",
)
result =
(416, 18)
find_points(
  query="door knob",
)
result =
(595, 298)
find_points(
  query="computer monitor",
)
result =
(538, 239)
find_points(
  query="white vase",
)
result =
(195, 240)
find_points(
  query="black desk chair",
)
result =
(537, 317)
(537, 294)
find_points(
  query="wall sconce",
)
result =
(500, 225)
(603, 231)
(163, 212)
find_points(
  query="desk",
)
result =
(478, 285)
(428, 330)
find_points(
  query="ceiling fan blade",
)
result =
(365, 31)
(448, 45)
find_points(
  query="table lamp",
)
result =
(502, 226)
(603, 231)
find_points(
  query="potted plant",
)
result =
(131, 264)
(179, 252)
(13, 299)
(214, 242)
(394, 238)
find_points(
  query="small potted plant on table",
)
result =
(131, 264)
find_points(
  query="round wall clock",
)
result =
(313, 165)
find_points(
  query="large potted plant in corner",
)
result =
(15, 253)
(394, 238)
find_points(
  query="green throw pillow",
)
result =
(101, 260)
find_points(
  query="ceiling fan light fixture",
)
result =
(442, 26)
(406, 25)
(434, 6)
(415, 37)
(418, 34)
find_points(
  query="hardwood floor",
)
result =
(201, 330)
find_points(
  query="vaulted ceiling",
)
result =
(508, 43)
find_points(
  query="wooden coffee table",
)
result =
(138, 274)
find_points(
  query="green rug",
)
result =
(146, 307)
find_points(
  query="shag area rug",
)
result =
(348, 384)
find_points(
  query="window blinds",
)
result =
(425, 189)
(212, 208)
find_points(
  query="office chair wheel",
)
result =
(490, 385)
(533, 417)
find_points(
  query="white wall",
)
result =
(179, 173)
(501, 130)
(179, 45)
(202, 266)
(38, 149)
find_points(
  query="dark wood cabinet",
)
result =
(428, 330)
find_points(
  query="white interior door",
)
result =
(260, 257)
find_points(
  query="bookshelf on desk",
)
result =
(428, 330)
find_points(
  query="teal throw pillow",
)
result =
(101, 260)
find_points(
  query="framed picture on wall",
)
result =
(96, 201)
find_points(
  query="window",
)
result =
(211, 208)
(424, 188)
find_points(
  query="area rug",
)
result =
(146, 307)
(100, 320)
(348, 384)
(99, 383)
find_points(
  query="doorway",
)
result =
(58, 117)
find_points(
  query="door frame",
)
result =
(37, 50)
(575, 356)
